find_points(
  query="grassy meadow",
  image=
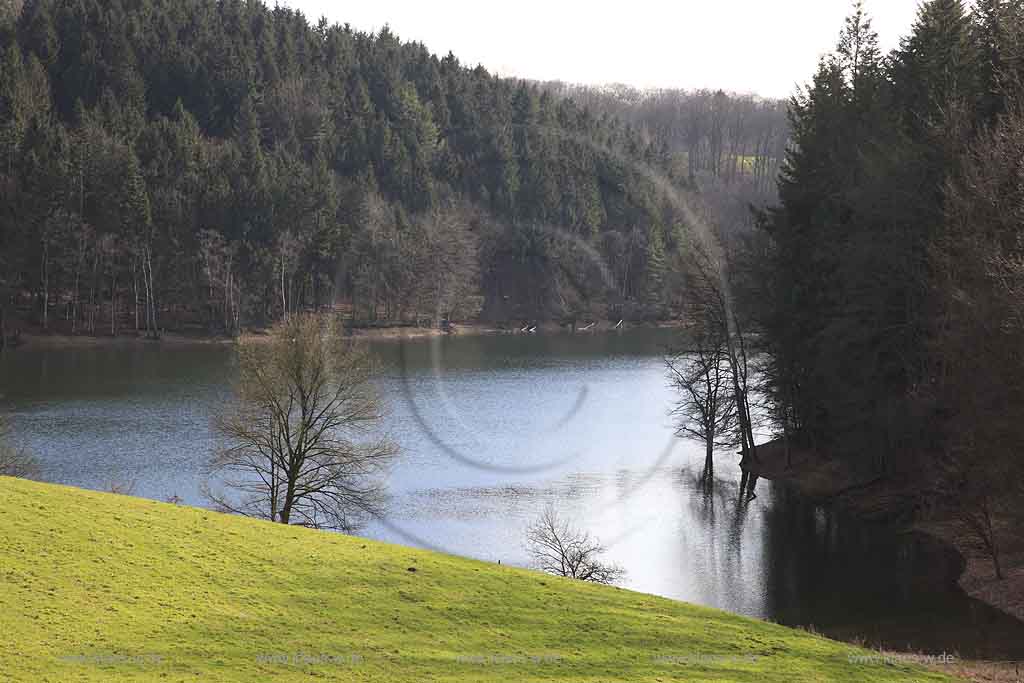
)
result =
(98, 587)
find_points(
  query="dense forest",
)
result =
(890, 277)
(176, 164)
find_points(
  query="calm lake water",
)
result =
(494, 428)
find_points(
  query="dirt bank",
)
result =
(36, 339)
(60, 341)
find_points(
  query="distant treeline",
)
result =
(731, 137)
(890, 281)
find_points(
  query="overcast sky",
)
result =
(759, 46)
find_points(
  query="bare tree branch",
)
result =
(294, 439)
(14, 461)
(559, 548)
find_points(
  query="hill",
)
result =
(98, 587)
(180, 164)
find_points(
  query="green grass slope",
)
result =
(96, 587)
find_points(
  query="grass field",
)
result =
(96, 587)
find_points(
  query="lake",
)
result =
(493, 429)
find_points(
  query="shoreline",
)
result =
(886, 501)
(35, 340)
(66, 341)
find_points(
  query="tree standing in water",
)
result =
(706, 408)
(710, 307)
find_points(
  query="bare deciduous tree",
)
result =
(451, 265)
(558, 548)
(217, 257)
(711, 307)
(298, 447)
(18, 462)
(288, 253)
(121, 485)
(15, 461)
(706, 408)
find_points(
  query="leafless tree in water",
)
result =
(706, 409)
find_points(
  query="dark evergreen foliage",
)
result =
(854, 304)
(168, 163)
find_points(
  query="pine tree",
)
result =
(818, 228)
(38, 33)
(654, 276)
(250, 135)
(934, 66)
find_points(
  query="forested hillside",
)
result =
(892, 274)
(189, 163)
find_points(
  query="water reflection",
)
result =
(856, 581)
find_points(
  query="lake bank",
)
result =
(37, 339)
(961, 560)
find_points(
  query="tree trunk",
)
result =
(989, 535)
(46, 285)
(789, 451)
(135, 293)
(228, 301)
(709, 461)
(748, 482)
(284, 298)
(76, 305)
(93, 295)
(147, 281)
(752, 486)
(113, 305)
(289, 499)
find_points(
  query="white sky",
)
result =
(759, 46)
